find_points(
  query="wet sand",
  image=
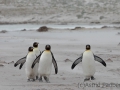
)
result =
(65, 44)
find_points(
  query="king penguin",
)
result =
(37, 53)
(36, 49)
(23, 60)
(28, 60)
(88, 63)
(45, 59)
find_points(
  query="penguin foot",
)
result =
(40, 79)
(92, 78)
(33, 80)
(36, 77)
(30, 80)
(46, 79)
(86, 79)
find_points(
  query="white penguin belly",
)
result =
(31, 73)
(88, 64)
(37, 52)
(45, 64)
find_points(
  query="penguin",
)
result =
(37, 53)
(88, 63)
(36, 49)
(23, 60)
(28, 60)
(45, 59)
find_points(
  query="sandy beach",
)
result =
(97, 23)
(66, 45)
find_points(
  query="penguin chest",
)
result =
(88, 64)
(45, 63)
(29, 60)
(36, 51)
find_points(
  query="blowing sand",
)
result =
(65, 44)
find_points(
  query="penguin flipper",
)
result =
(54, 63)
(36, 60)
(76, 62)
(20, 61)
(21, 65)
(100, 60)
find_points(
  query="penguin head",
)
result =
(30, 49)
(88, 47)
(47, 47)
(35, 44)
